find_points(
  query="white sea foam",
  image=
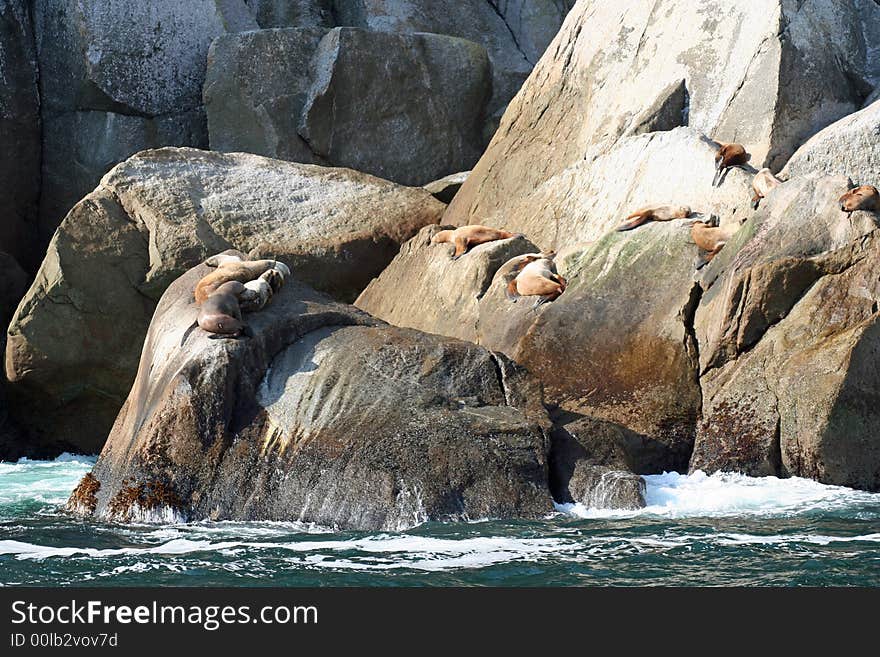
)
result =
(380, 552)
(48, 482)
(725, 494)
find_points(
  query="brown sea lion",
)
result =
(728, 155)
(762, 184)
(220, 312)
(865, 197)
(655, 213)
(534, 274)
(709, 238)
(465, 237)
(233, 268)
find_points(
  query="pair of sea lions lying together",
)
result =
(234, 287)
(532, 274)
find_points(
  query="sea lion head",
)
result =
(865, 197)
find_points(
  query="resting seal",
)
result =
(710, 238)
(220, 312)
(533, 274)
(762, 184)
(466, 237)
(233, 268)
(655, 213)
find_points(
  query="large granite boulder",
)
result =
(19, 133)
(788, 338)
(255, 89)
(75, 340)
(127, 75)
(849, 147)
(405, 107)
(768, 74)
(500, 27)
(323, 415)
(618, 345)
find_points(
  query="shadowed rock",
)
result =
(19, 134)
(324, 415)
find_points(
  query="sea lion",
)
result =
(221, 315)
(233, 268)
(865, 197)
(257, 292)
(220, 312)
(655, 213)
(534, 274)
(728, 156)
(710, 238)
(763, 182)
(465, 237)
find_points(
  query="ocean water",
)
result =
(698, 530)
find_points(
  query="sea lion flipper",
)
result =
(461, 245)
(189, 330)
(510, 291)
(633, 223)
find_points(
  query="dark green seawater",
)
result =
(717, 530)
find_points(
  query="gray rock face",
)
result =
(79, 147)
(592, 463)
(532, 23)
(475, 20)
(374, 104)
(127, 76)
(787, 335)
(19, 133)
(324, 415)
(849, 147)
(74, 343)
(255, 90)
(768, 74)
(292, 13)
(405, 107)
(144, 58)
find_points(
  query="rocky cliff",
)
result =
(436, 395)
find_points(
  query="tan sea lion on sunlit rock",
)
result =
(466, 237)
